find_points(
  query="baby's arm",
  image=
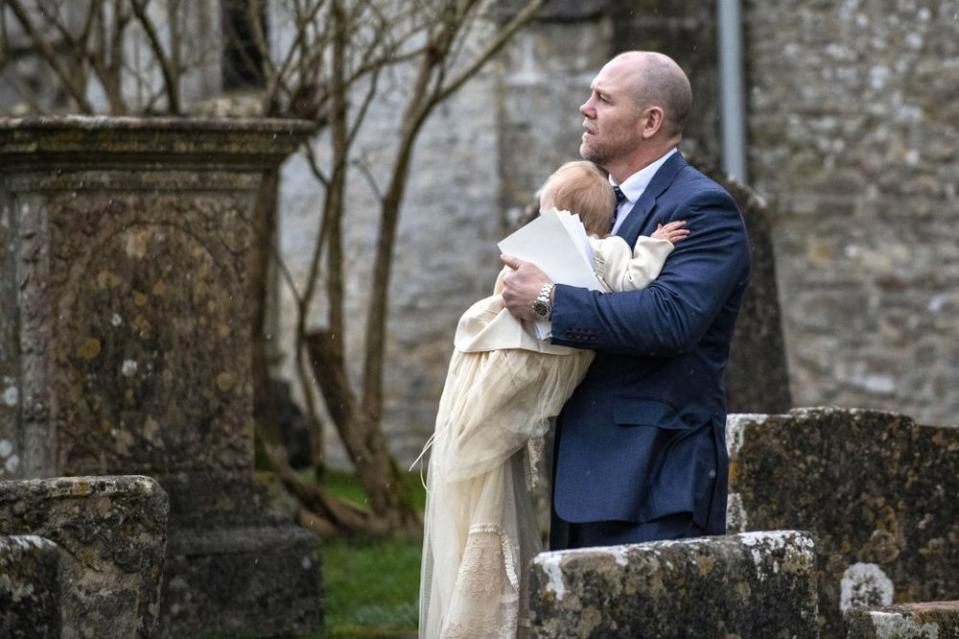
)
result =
(620, 269)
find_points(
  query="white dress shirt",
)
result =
(633, 187)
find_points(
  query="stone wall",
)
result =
(854, 125)
(851, 132)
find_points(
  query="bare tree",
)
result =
(330, 71)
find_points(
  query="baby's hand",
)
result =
(672, 231)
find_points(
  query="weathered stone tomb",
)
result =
(93, 563)
(125, 334)
(752, 586)
(876, 490)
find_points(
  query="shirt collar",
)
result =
(633, 186)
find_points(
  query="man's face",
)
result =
(612, 127)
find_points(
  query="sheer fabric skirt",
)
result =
(480, 529)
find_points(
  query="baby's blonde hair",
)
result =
(580, 187)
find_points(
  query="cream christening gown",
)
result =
(503, 385)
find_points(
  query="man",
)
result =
(640, 452)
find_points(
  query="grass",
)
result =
(371, 586)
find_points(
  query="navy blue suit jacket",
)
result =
(643, 435)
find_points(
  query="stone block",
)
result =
(112, 534)
(875, 489)
(932, 620)
(29, 588)
(232, 583)
(753, 585)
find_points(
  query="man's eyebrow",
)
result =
(599, 88)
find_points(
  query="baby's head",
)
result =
(580, 187)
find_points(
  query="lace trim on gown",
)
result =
(486, 597)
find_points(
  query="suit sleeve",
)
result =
(672, 314)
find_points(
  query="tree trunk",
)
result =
(384, 483)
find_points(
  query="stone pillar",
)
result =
(125, 343)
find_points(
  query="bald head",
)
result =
(656, 80)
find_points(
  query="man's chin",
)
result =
(590, 155)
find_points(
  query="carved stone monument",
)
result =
(125, 336)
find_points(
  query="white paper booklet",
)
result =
(556, 242)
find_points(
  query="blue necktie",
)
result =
(620, 198)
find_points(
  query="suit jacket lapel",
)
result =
(639, 215)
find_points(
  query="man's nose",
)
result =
(586, 108)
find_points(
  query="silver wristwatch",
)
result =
(542, 307)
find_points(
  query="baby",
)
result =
(502, 387)
(580, 187)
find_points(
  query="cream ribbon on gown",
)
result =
(503, 385)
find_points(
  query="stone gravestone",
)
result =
(29, 588)
(125, 338)
(757, 376)
(750, 586)
(877, 491)
(110, 535)
(932, 620)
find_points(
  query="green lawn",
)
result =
(371, 586)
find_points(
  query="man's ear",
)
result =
(652, 121)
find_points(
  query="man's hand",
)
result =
(522, 286)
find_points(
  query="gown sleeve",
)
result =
(620, 269)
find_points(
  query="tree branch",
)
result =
(46, 51)
(517, 22)
(170, 74)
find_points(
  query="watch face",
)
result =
(541, 309)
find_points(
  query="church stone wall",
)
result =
(854, 126)
(852, 123)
